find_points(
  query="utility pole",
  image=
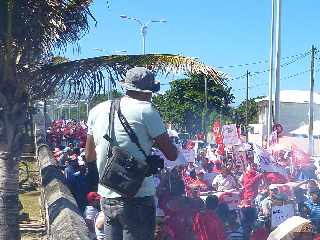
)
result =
(270, 109)
(278, 59)
(78, 111)
(247, 105)
(311, 143)
(205, 107)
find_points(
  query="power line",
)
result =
(302, 55)
(283, 78)
(297, 57)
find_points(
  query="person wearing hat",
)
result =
(133, 218)
(266, 204)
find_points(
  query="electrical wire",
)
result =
(284, 78)
(302, 55)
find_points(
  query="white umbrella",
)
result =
(286, 230)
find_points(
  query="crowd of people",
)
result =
(67, 139)
(203, 197)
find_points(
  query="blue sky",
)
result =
(219, 33)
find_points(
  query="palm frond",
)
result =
(40, 26)
(88, 75)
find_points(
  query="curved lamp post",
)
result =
(143, 28)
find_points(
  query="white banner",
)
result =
(266, 162)
(281, 213)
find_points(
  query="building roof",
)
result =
(304, 130)
(294, 96)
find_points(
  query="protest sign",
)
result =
(231, 198)
(281, 213)
(266, 162)
(189, 155)
(230, 135)
(240, 159)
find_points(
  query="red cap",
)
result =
(93, 196)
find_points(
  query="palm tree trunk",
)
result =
(9, 227)
(12, 107)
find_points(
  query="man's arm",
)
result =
(166, 146)
(100, 221)
(91, 155)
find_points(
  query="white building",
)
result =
(294, 110)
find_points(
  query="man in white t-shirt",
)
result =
(129, 218)
(224, 181)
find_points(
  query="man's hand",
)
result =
(167, 147)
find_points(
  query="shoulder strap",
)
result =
(109, 136)
(128, 129)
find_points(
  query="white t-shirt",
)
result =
(224, 183)
(145, 122)
(90, 212)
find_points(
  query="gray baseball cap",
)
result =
(140, 79)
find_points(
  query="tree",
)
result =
(104, 97)
(184, 103)
(239, 113)
(253, 110)
(30, 30)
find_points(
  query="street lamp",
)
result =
(110, 52)
(143, 28)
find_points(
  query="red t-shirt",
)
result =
(251, 184)
(208, 226)
(259, 234)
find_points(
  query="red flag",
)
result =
(300, 157)
(220, 149)
(216, 129)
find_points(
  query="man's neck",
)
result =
(139, 96)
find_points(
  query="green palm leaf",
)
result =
(88, 75)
